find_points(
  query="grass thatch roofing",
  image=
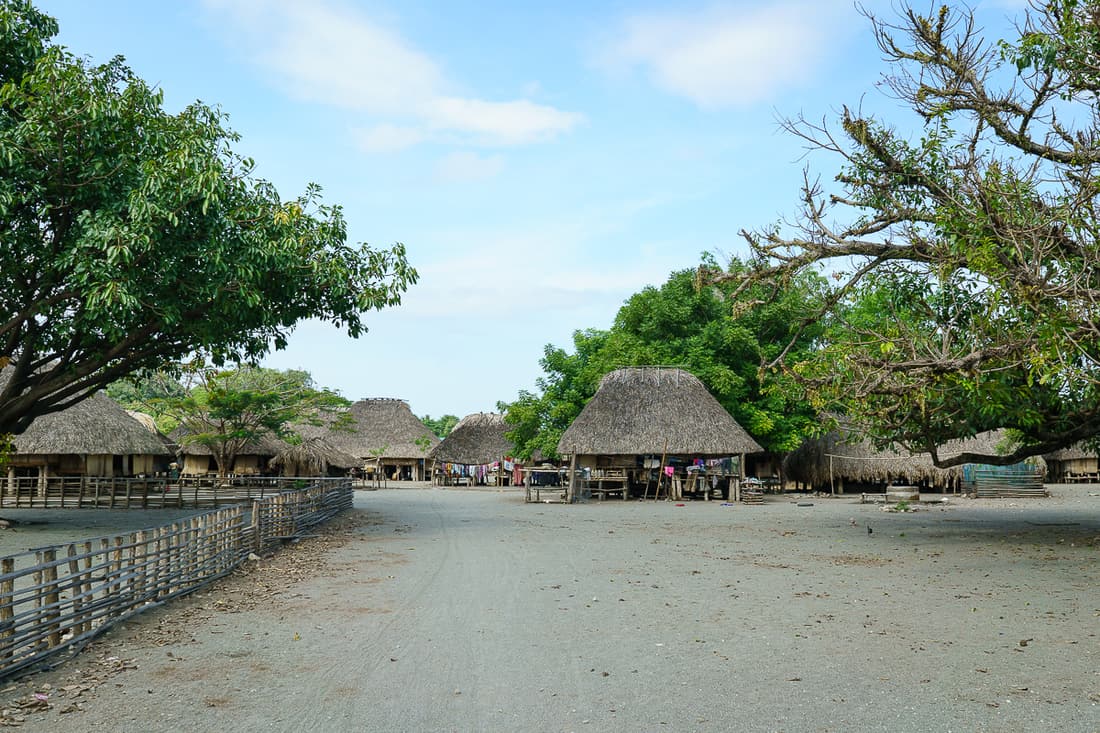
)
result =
(1075, 452)
(94, 426)
(315, 455)
(380, 425)
(854, 459)
(476, 440)
(647, 410)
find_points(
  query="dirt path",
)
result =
(452, 610)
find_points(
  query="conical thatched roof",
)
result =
(314, 455)
(381, 425)
(94, 426)
(646, 410)
(854, 459)
(476, 440)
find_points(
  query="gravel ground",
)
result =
(431, 609)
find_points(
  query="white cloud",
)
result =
(465, 167)
(387, 138)
(486, 273)
(335, 55)
(507, 123)
(723, 57)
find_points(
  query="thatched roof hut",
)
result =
(842, 457)
(252, 458)
(476, 440)
(313, 457)
(650, 411)
(384, 429)
(1075, 452)
(1075, 463)
(86, 438)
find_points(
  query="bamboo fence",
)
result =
(88, 492)
(56, 599)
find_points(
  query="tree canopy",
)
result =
(225, 410)
(681, 324)
(132, 237)
(441, 426)
(964, 251)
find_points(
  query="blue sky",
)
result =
(540, 161)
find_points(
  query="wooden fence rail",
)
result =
(55, 599)
(88, 492)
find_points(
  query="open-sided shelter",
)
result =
(1073, 465)
(843, 459)
(313, 457)
(652, 412)
(477, 442)
(94, 437)
(384, 433)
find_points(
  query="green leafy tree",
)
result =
(538, 419)
(225, 410)
(442, 426)
(684, 325)
(131, 237)
(965, 254)
(150, 393)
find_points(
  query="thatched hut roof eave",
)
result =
(653, 411)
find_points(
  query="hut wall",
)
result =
(395, 468)
(69, 464)
(197, 465)
(99, 465)
(143, 465)
(588, 461)
(247, 465)
(1079, 465)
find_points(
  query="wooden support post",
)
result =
(86, 587)
(139, 565)
(51, 597)
(571, 495)
(7, 608)
(661, 472)
(193, 550)
(77, 599)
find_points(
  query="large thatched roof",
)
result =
(94, 426)
(648, 410)
(380, 425)
(843, 454)
(476, 440)
(314, 455)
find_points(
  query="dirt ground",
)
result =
(452, 610)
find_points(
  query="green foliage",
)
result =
(441, 427)
(131, 237)
(680, 324)
(227, 409)
(965, 254)
(149, 392)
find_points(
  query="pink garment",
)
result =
(669, 470)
